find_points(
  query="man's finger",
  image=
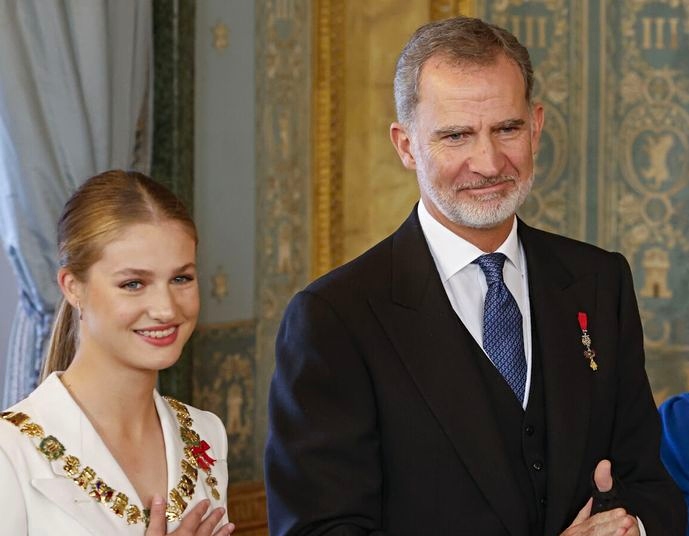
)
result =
(602, 476)
(157, 525)
(611, 523)
(584, 513)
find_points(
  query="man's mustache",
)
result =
(484, 182)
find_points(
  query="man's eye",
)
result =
(456, 136)
(132, 285)
(510, 129)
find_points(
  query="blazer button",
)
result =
(529, 430)
(537, 465)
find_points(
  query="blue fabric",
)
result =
(74, 101)
(503, 338)
(674, 445)
(30, 332)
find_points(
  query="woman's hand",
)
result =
(192, 524)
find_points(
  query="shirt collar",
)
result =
(452, 253)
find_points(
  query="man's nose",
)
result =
(487, 158)
(162, 306)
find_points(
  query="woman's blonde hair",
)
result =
(97, 213)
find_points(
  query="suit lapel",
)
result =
(441, 355)
(556, 297)
(51, 403)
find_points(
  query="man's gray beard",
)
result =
(482, 211)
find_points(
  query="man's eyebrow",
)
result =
(509, 123)
(452, 129)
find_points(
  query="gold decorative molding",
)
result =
(284, 45)
(328, 126)
(443, 9)
(221, 36)
(219, 285)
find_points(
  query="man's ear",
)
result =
(72, 289)
(399, 135)
(537, 120)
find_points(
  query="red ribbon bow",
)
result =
(202, 457)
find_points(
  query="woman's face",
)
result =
(140, 301)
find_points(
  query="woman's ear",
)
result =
(72, 289)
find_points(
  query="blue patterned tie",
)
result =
(503, 338)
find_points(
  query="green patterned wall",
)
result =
(613, 168)
(225, 383)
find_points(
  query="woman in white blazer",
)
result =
(95, 450)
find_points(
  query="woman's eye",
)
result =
(132, 285)
(180, 279)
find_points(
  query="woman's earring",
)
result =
(81, 316)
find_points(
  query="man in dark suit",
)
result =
(438, 384)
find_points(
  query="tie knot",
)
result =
(492, 264)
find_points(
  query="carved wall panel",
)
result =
(225, 383)
(283, 152)
(644, 184)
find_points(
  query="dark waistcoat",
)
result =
(523, 433)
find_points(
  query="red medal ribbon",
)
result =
(589, 353)
(202, 457)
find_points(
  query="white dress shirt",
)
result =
(465, 283)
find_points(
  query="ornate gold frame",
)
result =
(328, 113)
(328, 119)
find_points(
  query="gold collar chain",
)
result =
(195, 458)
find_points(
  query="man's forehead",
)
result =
(446, 63)
(446, 59)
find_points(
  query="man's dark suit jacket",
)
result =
(380, 424)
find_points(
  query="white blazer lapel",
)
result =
(175, 454)
(53, 408)
(174, 451)
(75, 502)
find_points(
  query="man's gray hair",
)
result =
(463, 40)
